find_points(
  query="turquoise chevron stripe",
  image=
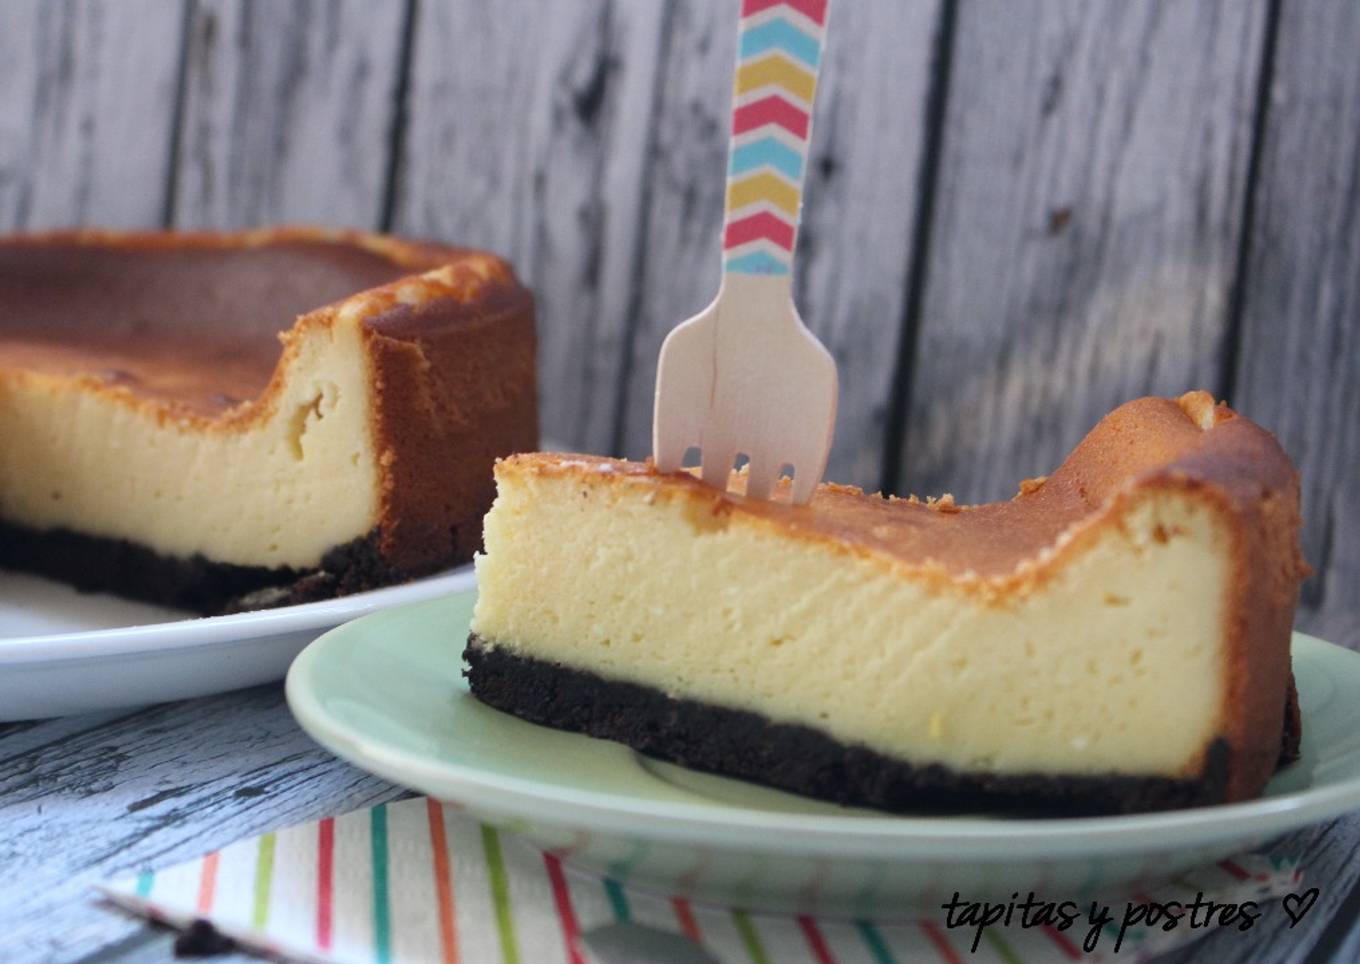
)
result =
(781, 35)
(877, 946)
(618, 900)
(767, 152)
(382, 905)
(757, 262)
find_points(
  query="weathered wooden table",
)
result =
(87, 798)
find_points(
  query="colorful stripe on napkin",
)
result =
(417, 881)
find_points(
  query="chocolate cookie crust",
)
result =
(94, 564)
(801, 759)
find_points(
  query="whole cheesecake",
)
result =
(1115, 638)
(226, 421)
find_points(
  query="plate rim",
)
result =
(887, 836)
(205, 631)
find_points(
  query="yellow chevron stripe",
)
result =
(777, 69)
(763, 187)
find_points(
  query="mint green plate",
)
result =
(385, 692)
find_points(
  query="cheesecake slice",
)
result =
(1115, 638)
(222, 421)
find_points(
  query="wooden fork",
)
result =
(745, 376)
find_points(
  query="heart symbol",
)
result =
(1296, 905)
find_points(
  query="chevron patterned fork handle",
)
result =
(745, 376)
(778, 58)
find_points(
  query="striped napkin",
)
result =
(418, 881)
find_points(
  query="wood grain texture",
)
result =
(858, 214)
(1298, 361)
(90, 798)
(1086, 227)
(861, 208)
(87, 109)
(1327, 854)
(1341, 941)
(683, 209)
(288, 112)
(528, 135)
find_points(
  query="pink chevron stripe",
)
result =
(941, 943)
(685, 915)
(325, 880)
(816, 942)
(1070, 950)
(443, 882)
(207, 883)
(571, 928)
(757, 226)
(814, 10)
(770, 110)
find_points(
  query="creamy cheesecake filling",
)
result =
(1113, 662)
(277, 491)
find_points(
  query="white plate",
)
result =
(62, 651)
(386, 693)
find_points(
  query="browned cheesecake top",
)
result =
(191, 320)
(1145, 443)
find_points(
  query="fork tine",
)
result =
(805, 477)
(684, 384)
(669, 454)
(717, 465)
(675, 429)
(759, 479)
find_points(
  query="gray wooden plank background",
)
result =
(1020, 212)
(1089, 203)
(1297, 367)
